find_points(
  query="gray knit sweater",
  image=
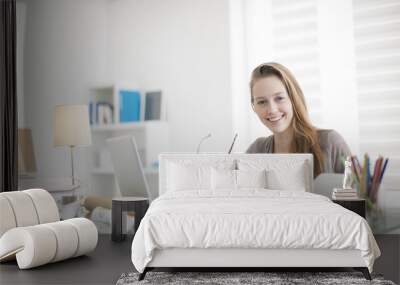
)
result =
(333, 147)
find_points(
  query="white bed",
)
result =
(219, 211)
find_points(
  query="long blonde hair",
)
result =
(305, 134)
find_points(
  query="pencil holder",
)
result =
(368, 182)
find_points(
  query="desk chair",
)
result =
(128, 167)
(132, 184)
(325, 182)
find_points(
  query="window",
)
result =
(377, 52)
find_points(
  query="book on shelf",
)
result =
(91, 113)
(101, 113)
(104, 115)
(343, 194)
(341, 190)
(345, 198)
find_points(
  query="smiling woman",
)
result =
(278, 101)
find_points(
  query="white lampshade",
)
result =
(71, 126)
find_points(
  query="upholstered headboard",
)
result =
(293, 170)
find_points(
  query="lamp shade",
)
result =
(71, 126)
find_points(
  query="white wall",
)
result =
(181, 47)
(64, 53)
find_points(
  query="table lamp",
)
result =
(71, 128)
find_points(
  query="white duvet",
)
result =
(251, 218)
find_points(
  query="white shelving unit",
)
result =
(151, 138)
(126, 126)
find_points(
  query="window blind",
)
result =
(377, 53)
(295, 45)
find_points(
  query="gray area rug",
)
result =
(226, 278)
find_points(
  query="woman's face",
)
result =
(272, 104)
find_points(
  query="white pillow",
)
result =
(281, 175)
(251, 178)
(187, 177)
(223, 179)
(237, 179)
(292, 181)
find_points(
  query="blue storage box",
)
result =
(129, 106)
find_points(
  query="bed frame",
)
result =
(246, 259)
(242, 259)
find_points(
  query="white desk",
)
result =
(61, 188)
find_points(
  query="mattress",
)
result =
(250, 219)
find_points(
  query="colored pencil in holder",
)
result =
(355, 170)
(383, 170)
(375, 182)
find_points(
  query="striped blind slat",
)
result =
(385, 28)
(376, 11)
(383, 63)
(293, 7)
(366, 4)
(379, 113)
(299, 26)
(386, 97)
